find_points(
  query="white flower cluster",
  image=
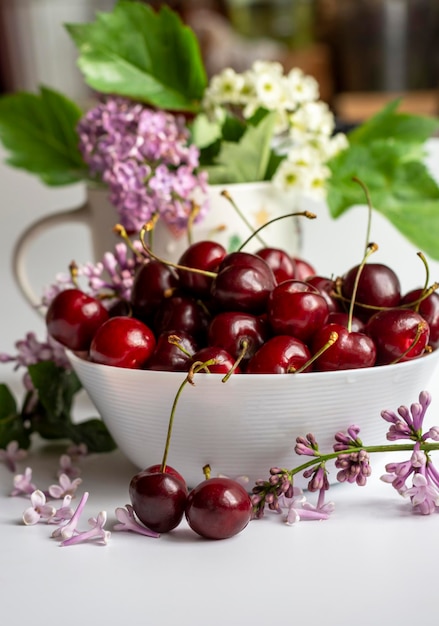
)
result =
(304, 130)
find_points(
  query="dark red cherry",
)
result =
(182, 314)
(280, 262)
(296, 308)
(240, 334)
(339, 317)
(168, 356)
(243, 283)
(378, 287)
(303, 269)
(158, 499)
(396, 331)
(224, 361)
(202, 255)
(157, 468)
(123, 342)
(326, 287)
(153, 282)
(73, 318)
(282, 354)
(429, 309)
(351, 350)
(218, 508)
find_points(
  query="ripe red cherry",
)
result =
(282, 354)
(429, 309)
(218, 508)
(168, 356)
(303, 269)
(394, 331)
(243, 283)
(280, 262)
(122, 342)
(378, 287)
(152, 282)
(202, 255)
(296, 308)
(225, 362)
(240, 334)
(157, 468)
(182, 314)
(73, 318)
(351, 350)
(326, 287)
(339, 317)
(158, 499)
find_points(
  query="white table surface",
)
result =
(373, 561)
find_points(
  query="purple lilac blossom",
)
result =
(146, 159)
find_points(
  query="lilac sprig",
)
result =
(146, 159)
(352, 458)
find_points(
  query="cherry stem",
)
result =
(207, 471)
(175, 340)
(308, 214)
(196, 367)
(427, 277)
(122, 233)
(73, 269)
(190, 222)
(369, 212)
(419, 328)
(170, 263)
(370, 249)
(237, 362)
(228, 197)
(333, 338)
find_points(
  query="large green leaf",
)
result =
(39, 131)
(245, 160)
(400, 188)
(139, 53)
(11, 425)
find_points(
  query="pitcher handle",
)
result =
(21, 247)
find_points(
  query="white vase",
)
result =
(259, 202)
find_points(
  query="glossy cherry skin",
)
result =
(296, 308)
(429, 309)
(218, 508)
(157, 468)
(280, 262)
(168, 356)
(153, 282)
(303, 269)
(123, 342)
(339, 317)
(158, 499)
(378, 287)
(282, 354)
(202, 255)
(352, 350)
(243, 283)
(224, 363)
(236, 332)
(326, 287)
(394, 331)
(73, 318)
(182, 314)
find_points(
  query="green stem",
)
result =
(322, 458)
(255, 233)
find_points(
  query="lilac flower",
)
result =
(64, 513)
(146, 159)
(354, 467)
(307, 445)
(65, 487)
(77, 451)
(30, 351)
(38, 510)
(407, 424)
(66, 467)
(424, 496)
(68, 530)
(348, 440)
(23, 485)
(12, 454)
(128, 522)
(96, 533)
(299, 509)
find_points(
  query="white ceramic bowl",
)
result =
(250, 423)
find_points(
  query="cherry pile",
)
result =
(250, 313)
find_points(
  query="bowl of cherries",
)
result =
(270, 349)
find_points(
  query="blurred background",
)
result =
(362, 52)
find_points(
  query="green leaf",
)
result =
(39, 131)
(11, 424)
(245, 160)
(400, 189)
(142, 54)
(56, 389)
(94, 434)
